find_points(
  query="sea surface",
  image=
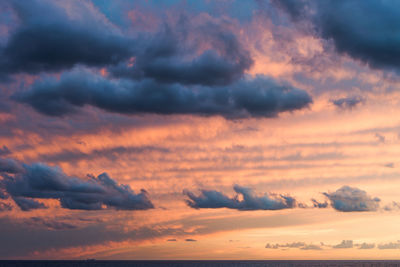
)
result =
(96, 263)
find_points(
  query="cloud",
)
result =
(391, 245)
(4, 151)
(320, 205)
(214, 199)
(347, 102)
(299, 245)
(186, 52)
(258, 97)
(344, 244)
(190, 240)
(46, 182)
(10, 166)
(5, 206)
(366, 246)
(59, 40)
(348, 199)
(50, 224)
(345, 23)
(311, 247)
(172, 240)
(27, 204)
(380, 138)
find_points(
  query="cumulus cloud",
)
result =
(311, 247)
(39, 181)
(344, 244)
(347, 102)
(58, 40)
(345, 23)
(180, 52)
(214, 199)
(348, 199)
(258, 97)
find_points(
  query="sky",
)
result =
(197, 129)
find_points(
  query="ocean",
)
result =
(96, 263)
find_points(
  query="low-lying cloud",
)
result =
(213, 199)
(348, 199)
(29, 182)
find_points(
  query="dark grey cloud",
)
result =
(364, 30)
(174, 54)
(57, 41)
(258, 97)
(350, 199)
(171, 55)
(27, 204)
(347, 102)
(214, 199)
(45, 182)
(190, 240)
(344, 244)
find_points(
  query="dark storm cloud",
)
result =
(348, 199)
(48, 39)
(347, 102)
(27, 204)
(177, 53)
(213, 199)
(259, 97)
(167, 56)
(45, 182)
(365, 30)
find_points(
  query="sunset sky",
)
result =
(200, 129)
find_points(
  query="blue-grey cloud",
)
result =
(57, 41)
(348, 199)
(347, 102)
(27, 204)
(366, 246)
(365, 30)
(174, 54)
(390, 245)
(213, 199)
(258, 97)
(320, 205)
(50, 224)
(344, 244)
(45, 182)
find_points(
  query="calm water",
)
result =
(199, 263)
